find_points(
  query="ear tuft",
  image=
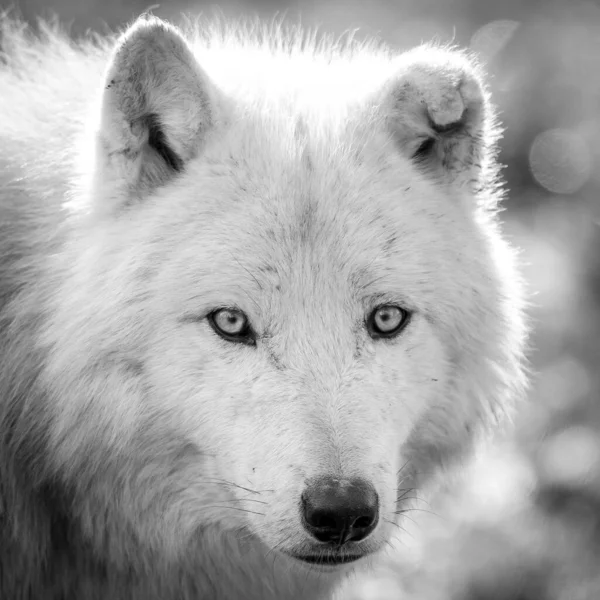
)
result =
(424, 149)
(157, 108)
(437, 110)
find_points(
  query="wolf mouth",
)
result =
(328, 560)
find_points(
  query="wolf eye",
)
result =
(387, 321)
(232, 325)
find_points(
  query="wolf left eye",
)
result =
(387, 321)
(232, 325)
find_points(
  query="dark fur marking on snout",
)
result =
(123, 363)
(158, 141)
(390, 242)
(266, 268)
(133, 366)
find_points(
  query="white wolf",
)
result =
(252, 292)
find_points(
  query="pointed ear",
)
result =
(157, 107)
(437, 109)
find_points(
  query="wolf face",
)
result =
(285, 308)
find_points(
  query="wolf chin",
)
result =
(254, 297)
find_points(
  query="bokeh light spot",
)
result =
(489, 39)
(560, 161)
(571, 456)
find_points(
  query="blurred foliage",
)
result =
(527, 526)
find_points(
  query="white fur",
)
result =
(299, 203)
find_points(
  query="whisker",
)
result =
(235, 508)
(410, 519)
(405, 510)
(231, 483)
(402, 468)
(392, 523)
(405, 490)
(406, 499)
(245, 500)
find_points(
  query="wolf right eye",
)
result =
(232, 325)
(387, 321)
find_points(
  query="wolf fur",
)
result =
(151, 179)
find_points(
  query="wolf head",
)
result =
(288, 304)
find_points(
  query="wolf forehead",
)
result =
(302, 189)
(275, 202)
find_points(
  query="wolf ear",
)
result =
(157, 107)
(438, 112)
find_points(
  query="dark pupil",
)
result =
(387, 317)
(232, 321)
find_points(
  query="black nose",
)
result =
(340, 510)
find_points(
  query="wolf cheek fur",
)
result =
(146, 455)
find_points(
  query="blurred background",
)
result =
(527, 525)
